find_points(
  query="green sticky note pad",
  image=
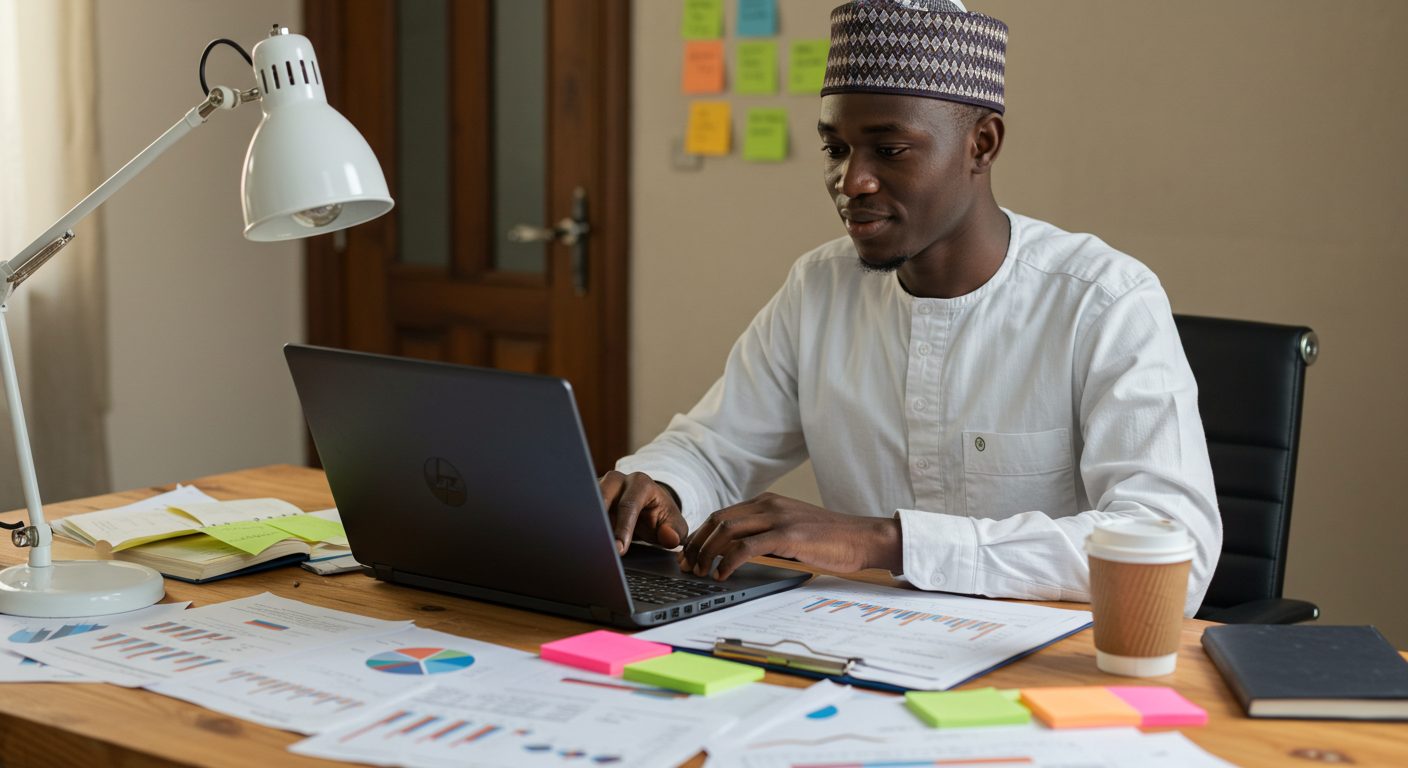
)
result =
(765, 135)
(806, 68)
(250, 536)
(692, 673)
(703, 20)
(756, 73)
(965, 709)
(308, 527)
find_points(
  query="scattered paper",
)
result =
(765, 135)
(255, 628)
(312, 691)
(238, 511)
(807, 66)
(757, 67)
(703, 66)
(709, 128)
(20, 633)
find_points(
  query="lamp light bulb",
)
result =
(320, 216)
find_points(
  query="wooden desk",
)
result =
(46, 724)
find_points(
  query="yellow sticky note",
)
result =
(757, 67)
(703, 20)
(806, 66)
(309, 528)
(252, 537)
(765, 135)
(703, 66)
(1079, 707)
(709, 128)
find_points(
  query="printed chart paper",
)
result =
(537, 712)
(251, 629)
(19, 634)
(912, 639)
(311, 691)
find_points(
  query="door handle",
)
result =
(571, 232)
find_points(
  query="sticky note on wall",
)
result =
(703, 66)
(703, 20)
(765, 135)
(806, 66)
(756, 69)
(709, 128)
(757, 18)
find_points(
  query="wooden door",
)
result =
(485, 114)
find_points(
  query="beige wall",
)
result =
(196, 315)
(1251, 153)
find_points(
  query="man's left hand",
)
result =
(777, 525)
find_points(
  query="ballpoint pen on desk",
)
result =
(767, 653)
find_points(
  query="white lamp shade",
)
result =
(308, 170)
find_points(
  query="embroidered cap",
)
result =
(933, 48)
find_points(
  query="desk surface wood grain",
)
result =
(47, 724)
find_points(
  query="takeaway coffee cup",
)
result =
(1138, 584)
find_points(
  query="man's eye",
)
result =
(890, 151)
(833, 150)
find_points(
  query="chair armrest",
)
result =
(1273, 611)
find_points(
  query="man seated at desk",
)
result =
(976, 389)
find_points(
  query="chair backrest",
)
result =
(1251, 378)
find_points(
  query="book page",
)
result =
(137, 523)
(214, 512)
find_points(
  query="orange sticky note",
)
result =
(1079, 707)
(703, 66)
(709, 128)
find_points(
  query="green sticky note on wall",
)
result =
(703, 20)
(765, 135)
(250, 536)
(692, 673)
(756, 70)
(965, 709)
(308, 527)
(806, 66)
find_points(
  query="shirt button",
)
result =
(922, 464)
(925, 349)
(920, 404)
(925, 309)
(938, 579)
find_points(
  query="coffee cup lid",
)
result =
(1141, 541)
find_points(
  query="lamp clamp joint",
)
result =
(27, 536)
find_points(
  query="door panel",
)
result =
(485, 115)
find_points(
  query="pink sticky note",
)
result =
(1160, 706)
(601, 651)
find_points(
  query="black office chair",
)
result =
(1251, 378)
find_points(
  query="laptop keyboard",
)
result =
(654, 588)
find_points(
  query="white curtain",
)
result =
(49, 161)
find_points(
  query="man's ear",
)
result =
(987, 141)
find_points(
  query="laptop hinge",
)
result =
(600, 614)
(382, 571)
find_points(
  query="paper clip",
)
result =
(766, 653)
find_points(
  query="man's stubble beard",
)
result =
(889, 265)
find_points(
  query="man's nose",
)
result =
(855, 178)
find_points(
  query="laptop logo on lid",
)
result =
(444, 481)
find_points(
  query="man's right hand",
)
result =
(643, 509)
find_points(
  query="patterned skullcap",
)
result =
(932, 48)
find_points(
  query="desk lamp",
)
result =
(307, 172)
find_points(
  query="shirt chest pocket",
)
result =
(1008, 473)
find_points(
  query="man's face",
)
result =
(900, 171)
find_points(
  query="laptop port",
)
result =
(688, 609)
(704, 606)
(720, 600)
(674, 613)
(659, 616)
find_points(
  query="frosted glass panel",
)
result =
(423, 132)
(520, 125)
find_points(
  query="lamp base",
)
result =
(70, 588)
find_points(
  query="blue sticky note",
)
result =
(757, 18)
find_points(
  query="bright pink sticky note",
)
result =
(601, 651)
(1160, 706)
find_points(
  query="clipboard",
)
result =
(819, 665)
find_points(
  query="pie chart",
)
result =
(420, 661)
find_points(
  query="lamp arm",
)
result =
(15, 271)
(24, 264)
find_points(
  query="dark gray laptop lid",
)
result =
(461, 474)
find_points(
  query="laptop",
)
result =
(478, 482)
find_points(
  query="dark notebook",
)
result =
(1310, 671)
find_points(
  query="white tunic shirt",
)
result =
(999, 426)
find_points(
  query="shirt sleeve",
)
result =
(1143, 455)
(746, 432)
